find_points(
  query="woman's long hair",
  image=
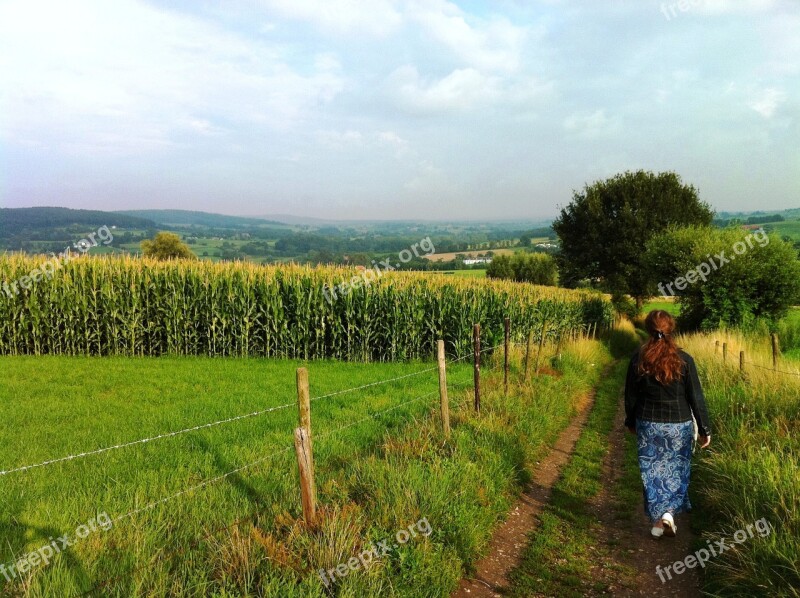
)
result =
(659, 356)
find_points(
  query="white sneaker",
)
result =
(657, 532)
(670, 529)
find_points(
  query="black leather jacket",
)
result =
(649, 400)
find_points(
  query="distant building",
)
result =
(477, 260)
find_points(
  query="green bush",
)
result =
(624, 306)
(727, 277)
(536, 268)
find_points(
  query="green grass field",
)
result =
(668, 306)
(374, 474)
(790, 228)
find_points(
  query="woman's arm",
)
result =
(696, 399)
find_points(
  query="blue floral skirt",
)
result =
(665, 461)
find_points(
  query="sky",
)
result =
(394, 109)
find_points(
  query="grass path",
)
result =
(491, 573)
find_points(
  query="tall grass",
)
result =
(753, 468)
(139, 307)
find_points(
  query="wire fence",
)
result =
(258, 462)
(746, 362)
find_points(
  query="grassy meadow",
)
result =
(377, 457)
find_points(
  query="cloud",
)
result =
(492, 44)
(352, 139)
(460, 90)
(767, 101)
(374, 17)
(590, 125)
(126, 77)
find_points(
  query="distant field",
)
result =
(790, 228)
(667, 306)
(446, 257)
(464, 273)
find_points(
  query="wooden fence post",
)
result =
(304, 408)
(741, 361)
(775, 351)
(716, 347)
(528, 355)
(308, 492)
(541, 342)
(507, 323)
(558, 344)
(443, 390)
(476, 357)
(724, 351)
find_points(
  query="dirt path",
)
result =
(510, 539)
(630, 540)
(626, 563)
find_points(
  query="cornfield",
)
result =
(138, 307)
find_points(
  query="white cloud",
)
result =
(494, 44)
(129, 75)
(460, 90)
(590, 125)
(767, 102)
(353, 139)
(373, 17)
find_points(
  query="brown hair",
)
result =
(659, 356)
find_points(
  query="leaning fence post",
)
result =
(507, 323)
(476, 357)
(528, 356)
(775, 351)
(304, 407)
(308, 493)
(741, 361)
(443, 390)
(724, 351)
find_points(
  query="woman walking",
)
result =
(662, 395)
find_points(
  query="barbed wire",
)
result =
(202, 426)
(769, 369)
(144, 440)
(232, 472)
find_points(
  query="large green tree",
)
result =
(605, 228)
(165, 246)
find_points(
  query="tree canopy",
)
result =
(605, 228)
(165, 246)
